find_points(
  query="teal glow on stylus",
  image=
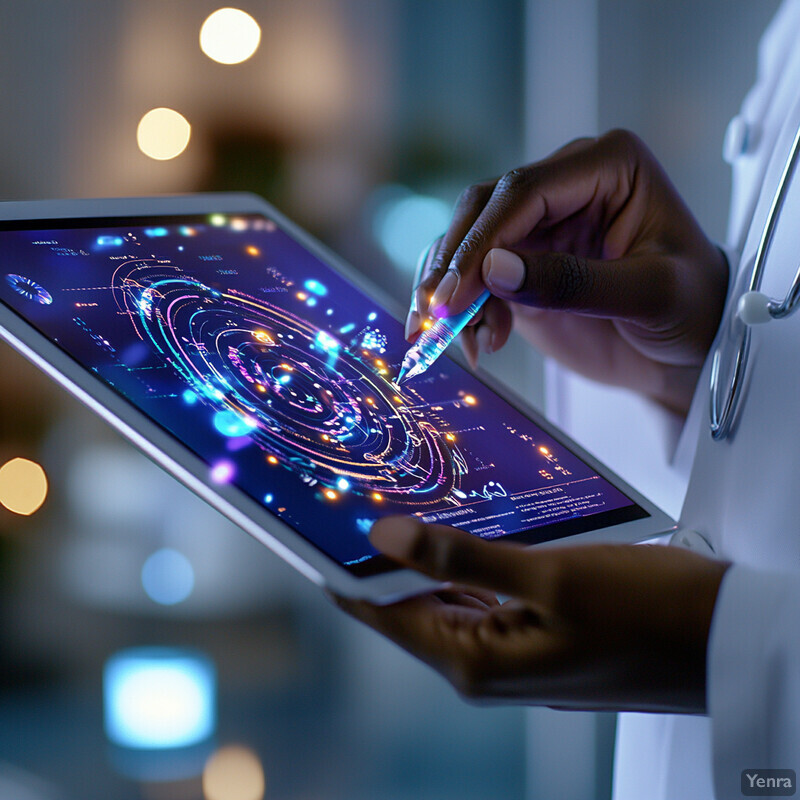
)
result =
(433, 342)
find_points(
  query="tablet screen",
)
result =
(277, 372)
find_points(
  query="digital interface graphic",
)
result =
(279, 374)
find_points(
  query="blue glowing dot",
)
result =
(329, 312)
(229, 423)
(155, 232)
(347, 328)
(109, 241)
(343, 484)
(268, 498)
(189, 397)
(167, 577)
(180, 247)
(284, 379)
(326, 342)
(315, 287)
(364, 525)
(159, 698)
(372, 316)
(222, 472)
(312, 301)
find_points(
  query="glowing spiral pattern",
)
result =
(307, 399)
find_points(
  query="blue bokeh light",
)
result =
(167, 577)
(404, 223)
(158, 698)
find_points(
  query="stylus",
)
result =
(433, 341)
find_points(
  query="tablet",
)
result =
(257, 368)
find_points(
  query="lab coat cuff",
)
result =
(753, 634)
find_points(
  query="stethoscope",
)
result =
(753, 308)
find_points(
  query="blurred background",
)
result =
(122, 596)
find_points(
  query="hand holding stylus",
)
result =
(594, 257)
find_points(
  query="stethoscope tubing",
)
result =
(722, 417)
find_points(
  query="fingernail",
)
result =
(484, 338)
(444, 291)
(503, 270)
(412, 323)
(393, 536)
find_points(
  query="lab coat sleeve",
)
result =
(754, 676)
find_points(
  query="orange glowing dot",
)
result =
(325, 437)
(383, 371)
(427, 324)
(370, 401)
(251, 250)
(379, 362)
(272, 459)
(377, 497)
(450, 437)
(398, 399)
(287, 367)
(302, 296)
(260, 388)
(330, 494)
(544, 451)
(469, 400)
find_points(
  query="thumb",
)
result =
(449, 554)
(633, 288)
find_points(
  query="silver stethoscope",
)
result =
(754, 308)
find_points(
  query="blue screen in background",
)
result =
(277, 372)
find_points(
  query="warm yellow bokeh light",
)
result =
(23, 486)
(229, 36)
(163, 133)
(233, 773)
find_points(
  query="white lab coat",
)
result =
(742, 494)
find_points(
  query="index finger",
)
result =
(569, 182)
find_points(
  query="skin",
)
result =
(613, 277)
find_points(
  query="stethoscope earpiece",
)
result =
(753, 308)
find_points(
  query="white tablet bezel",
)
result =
(182, 463)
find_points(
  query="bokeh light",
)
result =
(167, 577)
(229, 36)
(23, 486)
(233, 773)
(163, 133)
(158, 698)
(404, 223)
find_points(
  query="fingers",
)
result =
(424, 284)
(451, 555)
(627, 288)
(468, 207)
(579, 190)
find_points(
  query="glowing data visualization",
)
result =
(279, 373)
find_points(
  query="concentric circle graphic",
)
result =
(306, 398)
(29, 289)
